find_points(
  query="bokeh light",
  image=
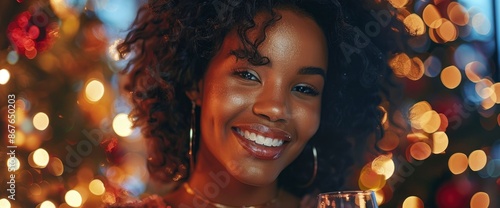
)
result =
(413, 202)
(122, 125)
(97, 187)
(430, 121)
(73, 198)
(439, 142)
(447, 31)
(481, 24)
(39, 158)
(41, 121)
(451, 77)
(384, 165)
(420, 150)
(398, 3)
(5, 203)
(458, 163)
(458, 14)
(475, 71)
(400, 64)
(4, 76)
(94, 91)
(480, 200)
(47, 204)
(477, 160)
(55, 166)
(414, 25)
(431, 16)
(369, 179)
(15, 161)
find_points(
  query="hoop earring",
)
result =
(315, 168)
(192, 131)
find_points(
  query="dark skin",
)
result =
(280, 100)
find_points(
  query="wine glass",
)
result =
(347, 199)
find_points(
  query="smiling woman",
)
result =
(251, 103)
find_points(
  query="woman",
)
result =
(250, 103)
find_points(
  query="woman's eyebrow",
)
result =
(310, 70)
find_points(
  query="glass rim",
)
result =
(341, 193)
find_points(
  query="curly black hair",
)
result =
(171, 43)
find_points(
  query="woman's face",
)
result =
(255, 120)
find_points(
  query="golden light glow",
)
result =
(483, 88)
(55, 166)
(447, 31)
(400, 64)
(94, 91)
(473, 71)
(73, 198)
(417, 69)
(414, 25)
(439, 142)
(477, 160)
(451, 77)
(4, 76)
(416, 111)
(488, 102)
(97, 187)
(389, 142)
(15, 162)
(122, 125)
(379, 196)
(431, 16)
(47, 204)
(398, 3)
(480, 200)
(430, 121)
(481, 24)
(458, 163)
(420, 151)
(40, 158)
(383, 165)
(41, 121)
(496, 91)
(413, 202)
(458, 14)
(4, 203)
(370, 180)
(417, 137)
(70, 25)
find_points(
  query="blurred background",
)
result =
(74, 145)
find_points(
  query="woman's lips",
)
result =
(261, 141)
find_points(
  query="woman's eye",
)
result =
(306, 90)
(246, 75)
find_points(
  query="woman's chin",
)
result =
(255, 177)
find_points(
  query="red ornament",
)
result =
(32, 32)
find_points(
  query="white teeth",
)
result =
(268, 141)
(253, 137)
(259, 139)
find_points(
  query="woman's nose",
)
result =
(272, 104)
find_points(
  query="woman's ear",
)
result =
(196, 93)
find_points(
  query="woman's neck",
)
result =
(213, 182)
